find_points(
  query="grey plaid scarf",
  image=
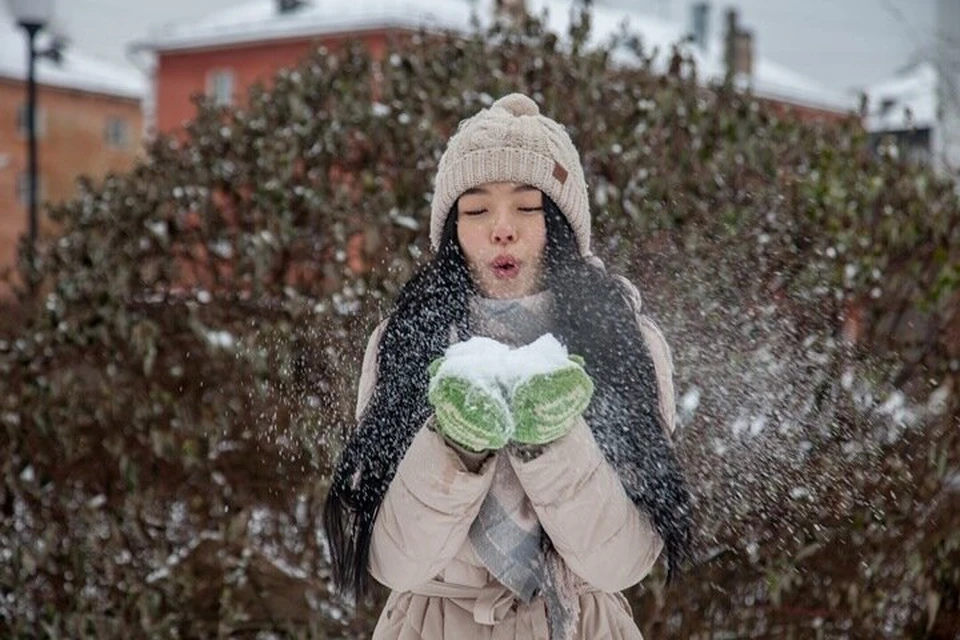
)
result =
(507, 535)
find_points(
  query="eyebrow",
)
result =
(481, 190)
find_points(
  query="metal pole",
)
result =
(32, 171)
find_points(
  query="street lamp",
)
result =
(32, 15)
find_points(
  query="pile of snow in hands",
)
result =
(498, 368)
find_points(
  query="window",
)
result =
(22, 121)
(220, 87)
(23, 189)
(117, 133)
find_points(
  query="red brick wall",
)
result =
(181, 74)
(72, 144)
(808, 114)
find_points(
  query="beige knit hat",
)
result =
(512, 142)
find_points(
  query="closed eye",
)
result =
(474, 212)
(528, 209)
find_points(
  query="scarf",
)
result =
(507, 535)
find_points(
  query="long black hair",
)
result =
(592, 317)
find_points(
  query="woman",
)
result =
(483, 531)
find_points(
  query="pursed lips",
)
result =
(505, 266)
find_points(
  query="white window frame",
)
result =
(221, 85)
(116, 132)
(23, 189)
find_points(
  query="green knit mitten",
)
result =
(470, 415)
(545, 404)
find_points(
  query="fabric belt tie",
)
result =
(492, 604)
(489, 603)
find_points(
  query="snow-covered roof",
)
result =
(908, 100)
(259, 20)
(75, 70)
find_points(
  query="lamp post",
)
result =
(32, 16)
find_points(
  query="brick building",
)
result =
(89, 122)
(221, 55)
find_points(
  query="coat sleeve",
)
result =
(368, 370)
(427, 511)
(660, 353)
(582, 505)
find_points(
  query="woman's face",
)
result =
(502, 231)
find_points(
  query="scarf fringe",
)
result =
(561, 596)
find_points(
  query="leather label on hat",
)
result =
(559, 173)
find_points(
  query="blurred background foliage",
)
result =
(175, 388)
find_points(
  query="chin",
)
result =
(504, 293)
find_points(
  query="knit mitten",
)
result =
(545, 404)
(474, 417)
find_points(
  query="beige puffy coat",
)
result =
(421, 550)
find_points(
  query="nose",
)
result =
(504, 230)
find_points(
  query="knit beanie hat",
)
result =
(512, 142)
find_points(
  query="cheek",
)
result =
(538, 236)
(469, 238)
